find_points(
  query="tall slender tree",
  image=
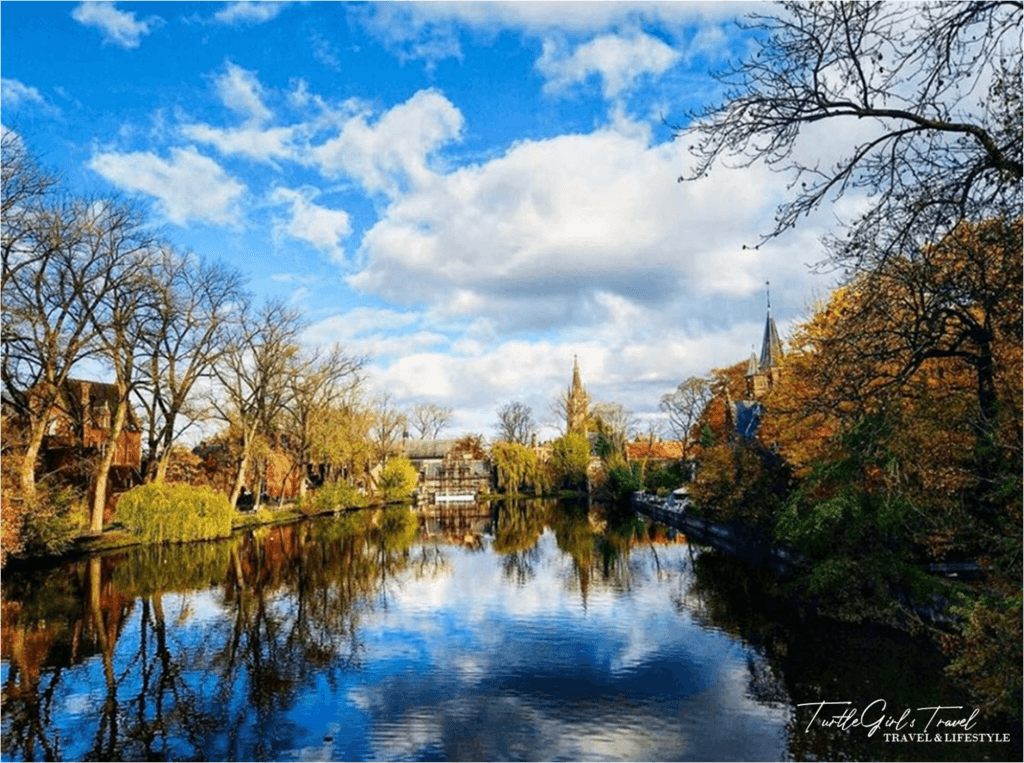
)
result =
(199, 301)
(253, 376)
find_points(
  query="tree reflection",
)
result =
(518, 526)
(294, 595)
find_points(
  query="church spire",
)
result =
(576, 402)
(771, 345)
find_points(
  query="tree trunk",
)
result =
(99, 499)
(27, 471)
(243, 466)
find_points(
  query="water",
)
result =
(530, 631)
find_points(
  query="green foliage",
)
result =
(664, 478)
(620, 482)
(398, 480)
(707, 436)
(165, 512)
(989, 652)
(519, 468)
(332, 497)
(570, 458)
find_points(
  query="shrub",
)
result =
(52, 522)
(161, 512)
(398, 480)
(41, 526)
(337, 495)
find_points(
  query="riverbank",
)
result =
(932, 604)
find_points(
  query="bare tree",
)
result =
(254, 378)
(198, 303)
(935, 90)
(429, 419)
(613, 422)
(76, 283)
(684, 406)
(119, 295)
(389, 427)
(515, 422)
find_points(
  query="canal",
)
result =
(524, 630)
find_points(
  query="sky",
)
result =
(470, 194)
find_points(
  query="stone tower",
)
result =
(576, 403)
(763, 373)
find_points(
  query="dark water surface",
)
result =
(528, 631)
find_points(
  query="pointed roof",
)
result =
(576, 383)
(752, 367)
(771, 345)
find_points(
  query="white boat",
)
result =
(454, 498)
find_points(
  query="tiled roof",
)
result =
(661, 450)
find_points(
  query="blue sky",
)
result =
(470, 193)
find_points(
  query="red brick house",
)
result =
(78, 433)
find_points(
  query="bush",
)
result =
(337, 495)
(161, 512)
(621, 482)
(52, 522)
(398, 480)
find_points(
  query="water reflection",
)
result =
(528, 630)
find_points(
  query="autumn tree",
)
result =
(340, 439)
(318, 382)
(430, 419)
(934, 92)
(398, 480)
(953, 309)
(515, 422)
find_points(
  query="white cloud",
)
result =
(249, 12)
(261, 144)
(524, 227)
(619, 61)
(392, 154)
(321, 227)
(14, 94)
(429, 31)
(241, 92)
(188, 186)
(118, 27)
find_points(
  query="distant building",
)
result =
(764, 372)
(576, 403)
(449, 469)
